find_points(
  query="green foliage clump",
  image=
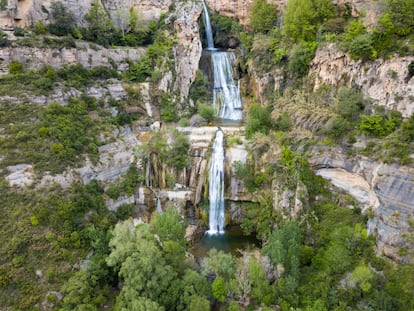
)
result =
(206, 112)
(63, 20)
(300, 58)
(303, 17)
(402, 15)
(15, 67)
(198, 89)
(263, 16)
(225, 30)
(379, 125)
(259, 120)
(3, 39)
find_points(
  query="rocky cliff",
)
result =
(385, 81)
(186, 53)
(85, 54)
(385, 192)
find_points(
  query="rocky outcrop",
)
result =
(387, 189)
(114, 161)
(186, 53)
(26, 13)
(113, 89)
(353, 184)
(238, 9)
(84, 54)
(385, 81)
(20, 175)
(146, 9)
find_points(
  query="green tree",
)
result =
(261, 290)
(363, 276)
(206, 112)
(100, 28)
(219, 289)
(195, 289)
(402, 15)
(169, 226)
(259, 120)
(3, 39)
(263, 16)
(303, 17)
(219, 263)
(63, 20)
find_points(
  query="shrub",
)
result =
(300, 59)
(206, 111)
(3, 39)
(349, 104)
(263, 16)
(380, 125)
(63, 20)
(402, 15)
(303, 17)
(40, 28)
(15, 68)
(259, 120)
(361, 47)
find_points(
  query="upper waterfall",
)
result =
(207, 26)
(226, 95)
(216, 186)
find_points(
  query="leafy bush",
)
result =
(206, 111)
(349, 104)
(63, 20)
(3, 39)
(300, 58)
(15, 67)
(259, 120)
(40, 28)
(380, 125)
(402, 15)
(361, 47)
(198, 89)
(303, 17)
(263, 16)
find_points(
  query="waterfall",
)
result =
(207, 26)
(148, 181)
(216, 186)
(159, 209)
(226, 95)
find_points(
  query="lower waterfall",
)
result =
(216, 186)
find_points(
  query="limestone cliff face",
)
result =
(36, 58)
(385, 81)
(385, 189)
(186, 53)
(238, 9)
(27, 12)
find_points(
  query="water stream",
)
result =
(216, 186)
(226, 93)
(207, 26)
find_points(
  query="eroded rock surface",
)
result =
(393, 186)
(385, 81)
(37, 58)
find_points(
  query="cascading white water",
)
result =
(226, 95)
(159, 209)
(216, 186)
(207, 26)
